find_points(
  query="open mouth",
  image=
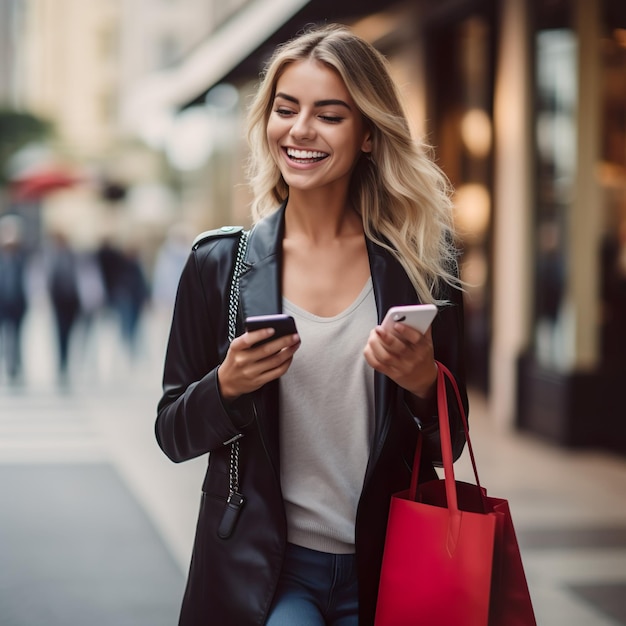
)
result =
(305, 156)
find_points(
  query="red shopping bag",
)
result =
(451, 556)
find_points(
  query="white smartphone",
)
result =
(417, 316)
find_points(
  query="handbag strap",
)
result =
(233, 300)
(443, 374)
(233, 307)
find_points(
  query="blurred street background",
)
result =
(121, 138)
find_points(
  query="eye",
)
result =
(331, 119)
(283, 112)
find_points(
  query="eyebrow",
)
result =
(317, 104)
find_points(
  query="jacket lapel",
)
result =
(391, 284)
(259, 285)
(391, 287)
(260, 294)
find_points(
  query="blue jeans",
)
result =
(316, 589)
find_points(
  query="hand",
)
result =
(404, 355)
(247, 368)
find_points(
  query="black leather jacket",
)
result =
(232, 581)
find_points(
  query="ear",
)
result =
(366, 145)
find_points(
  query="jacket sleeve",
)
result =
(191, 418)
(448, 342)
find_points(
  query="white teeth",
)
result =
(305, 154)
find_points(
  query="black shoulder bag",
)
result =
(235, 500)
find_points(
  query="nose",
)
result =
(302, 127)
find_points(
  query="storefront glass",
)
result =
(556, 145)
(460, 58)
(611, 174)
(557, 124)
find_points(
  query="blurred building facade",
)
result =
(69, 60)
(70, 70)
(11, 16)
(524, 102)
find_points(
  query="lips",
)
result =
(305, 156)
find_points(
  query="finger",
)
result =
(255, 362)
(395, 358)
(243, 371)
(272, 346)
(379, 357)
(390, 343)
(380, 353)
(250, 339)
(406, 334)
(276, 368)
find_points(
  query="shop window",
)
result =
(460, 58)
(555, 141)
(556, 123)
(611, 174)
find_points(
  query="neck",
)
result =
(320, 216)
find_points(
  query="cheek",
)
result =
(273, 134)
(275, 128)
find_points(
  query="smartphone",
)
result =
(281, 323)
(417, 316)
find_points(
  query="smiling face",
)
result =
(315, 131)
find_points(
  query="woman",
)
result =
(351, 217)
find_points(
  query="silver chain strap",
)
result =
(233, 302)
(233, 306)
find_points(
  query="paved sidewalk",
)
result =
(78, 545)
(77, 549)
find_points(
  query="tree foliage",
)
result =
(18, 128)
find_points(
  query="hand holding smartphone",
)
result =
(281, 323)
(417, 316)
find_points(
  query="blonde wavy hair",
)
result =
(404, 199)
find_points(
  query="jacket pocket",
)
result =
(216, 482)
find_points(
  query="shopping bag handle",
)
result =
(444, 373)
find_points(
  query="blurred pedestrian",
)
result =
(311, 433)
(168, 266)
(13, 298)
(111, 262)
(127, 290)
(64, 297)
(92, 298)
(132, 294)
(90, 284)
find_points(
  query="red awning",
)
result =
(39, 184)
